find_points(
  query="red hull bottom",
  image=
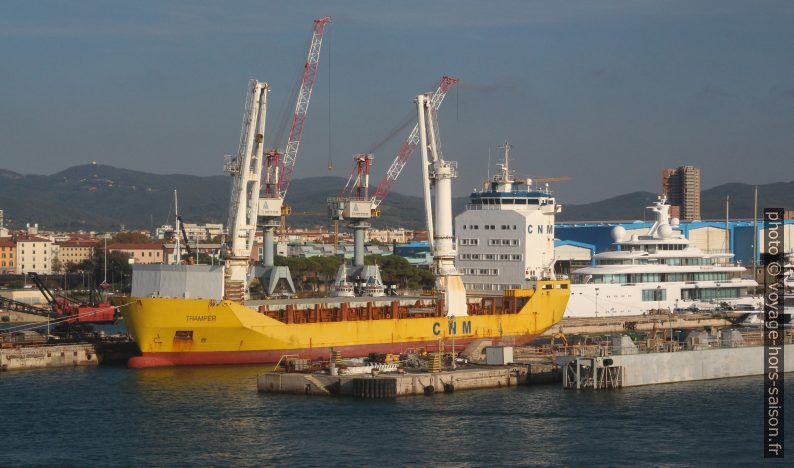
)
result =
(200, 358)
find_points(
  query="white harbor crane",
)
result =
(437, 174)
(279, 169)
(355, 204)
(246, 171)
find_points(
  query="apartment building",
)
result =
(682, 187)
(8, 255)
(75, 250)
(140, 253)
(34, 254)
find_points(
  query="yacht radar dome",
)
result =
(618, 233)
(665, 231)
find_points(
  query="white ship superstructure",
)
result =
(658, 271)
(505, 237)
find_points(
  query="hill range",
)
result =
(100, 197)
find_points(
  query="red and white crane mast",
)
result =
(408, 147)
(279, 167)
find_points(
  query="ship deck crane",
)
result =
(279, 169)
(246, 171)
(355, 204)
(438, 173)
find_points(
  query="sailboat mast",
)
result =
(176, 231)
(727, 229)
(755, 229)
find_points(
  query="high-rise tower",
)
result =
(682, 187)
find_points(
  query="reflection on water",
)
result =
(213, 415)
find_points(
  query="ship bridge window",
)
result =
(533, 201)
(521, 201)
(508, 201)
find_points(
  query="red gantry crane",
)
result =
(280, 167)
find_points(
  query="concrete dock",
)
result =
(32, 357)
(13, 316)
(410, 383)
(687, 366)
(628, 366)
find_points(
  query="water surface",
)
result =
(214, 416)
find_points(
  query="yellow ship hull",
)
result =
(196, 331)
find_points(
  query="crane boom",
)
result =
(302, 106)
(408, 147)
(246, 171)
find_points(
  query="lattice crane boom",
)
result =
(301, 106)
(408, 147)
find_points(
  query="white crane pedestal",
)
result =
(358, 279)
(275, 280)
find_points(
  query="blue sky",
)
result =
(607, 92)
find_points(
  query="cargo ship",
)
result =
(172, 331)
(202, 314)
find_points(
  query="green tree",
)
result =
(119, 271)
(126, 237)
(396, 269)
(57, 265)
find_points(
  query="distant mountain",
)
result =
(774, 195)
(628, 207)
(5, 174)
(98, 197)
(631, 206)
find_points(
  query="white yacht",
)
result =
(659, 271)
